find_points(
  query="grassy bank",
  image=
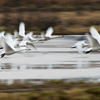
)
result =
(47, 85)
(74, 93)
(54, 89)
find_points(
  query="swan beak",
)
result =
(29, 49)
(24, 45)
(41, 41)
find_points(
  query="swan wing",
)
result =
(79, 47)
(6, 47)
(30, 45)
(22, 43)
(93, 42)
(16, 34)
(1, 35)
(49, 32)
(9, 43)
(22, 29)
(31, 36)
(28, 36)
(42, 35)
(95, 34)
(84, 44)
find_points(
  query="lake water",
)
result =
(53, 59)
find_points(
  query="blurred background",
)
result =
(66, 16)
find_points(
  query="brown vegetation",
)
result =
(54, 94)
(62, 22)
(66, 16)
(54, 89)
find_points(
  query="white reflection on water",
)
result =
(79, 65)
(51, 74)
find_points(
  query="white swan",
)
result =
(93, 42)
(22, 37)
(29, 37)
(28, 44)
(79, 45)
(9, 46)
(48, 34)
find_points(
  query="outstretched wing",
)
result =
(49, 32)
(22, 29)
(28, 36)
(30, 45)
(79, 47)
(9, 43)
(1, 35)
(31, 36)
(93, 42)
(95, 34)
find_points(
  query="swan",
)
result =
(93, 42)
(9, 46)
(28, 41)
(29, 37)
(48, 34)
(79, 45)
(28, 44)
(22, 37)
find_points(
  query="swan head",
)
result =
(2, 55)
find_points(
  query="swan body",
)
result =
(79, 45)
(48, 34)
(9, 46)
(27, 44)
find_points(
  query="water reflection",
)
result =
(79, 65)
(22, 73)
(21, 81)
